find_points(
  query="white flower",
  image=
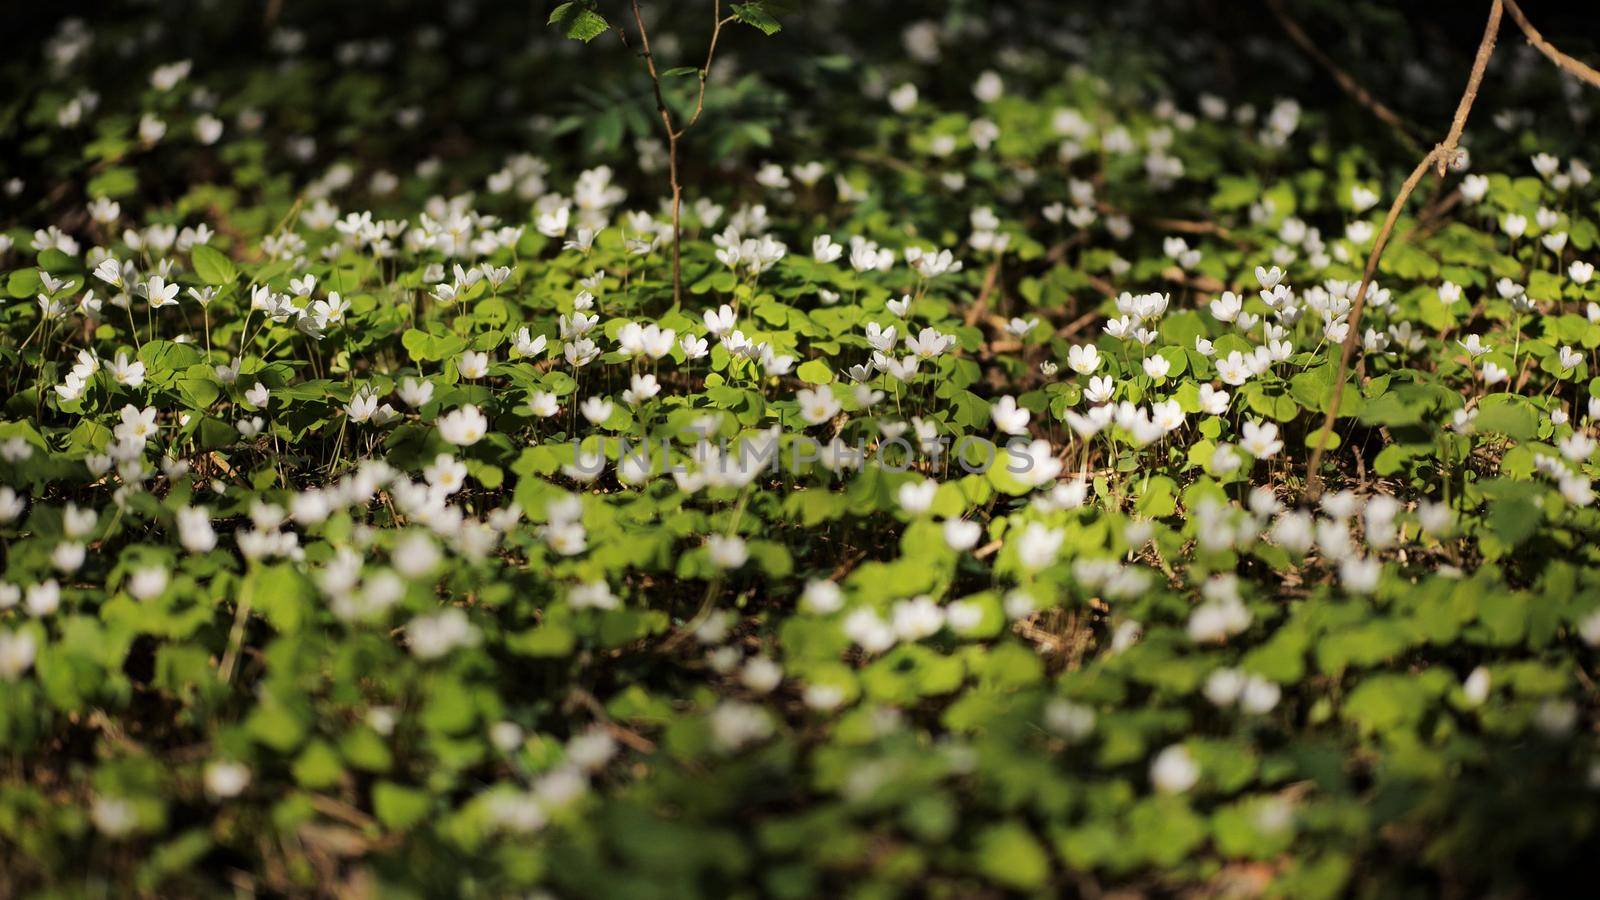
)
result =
(568, 538)
(1223, 686)
(553, 223)
(472, 365)
(1494, 373)
(526, 346)
(1174, 770)
(1269, 278)
(1083, 359)
(113, 816)
(1100, 389)
(1072, 721)
(735, 724)
(727, 551)
(824, 250)
(903, 98)
(1259, 695)
(592, 595)
(416, 391)
(761, 675)
(1227, 307)
(1580, 272)
(917, 496)
(917, 618)
(596, 409)
(1476, 686)
(1009, 417)
(17, 652)
(433, 636)
(720, 322)
(1261, 439)
(151, 128)
(42, 599)
(988, 87)
(1359, 575)
(12, 505)
(147, 582)
(1236, 369)
(160, 293)
(136, 425)
(258, 395)
(208, 129)
(865, 628)
(1589, 628)
(642, 387)
(817, 406)
(1577, 490)
(543, 404)
(362, 406)
(694, 347)
(445, 473)
(1038, 546)
(961, 534)
(463, 427)
(1157, 366)
(77, 522)
(822, 597)
(225, 779)
(109, 271)
(1020, 327)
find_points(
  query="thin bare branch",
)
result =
(1439, 158)
(674, 132)
(1352, 87)
(1569, 65)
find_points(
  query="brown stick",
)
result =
(981, 305)
(1566, 63)
(674, 133)
(1349, 84)
(1440, 159)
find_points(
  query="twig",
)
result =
(632, 738)
(981, 305)
(1439, 158)
(1566, 63)
(674, 132)
(1349, 84)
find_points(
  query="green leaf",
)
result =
(756, 15)
(212, 266)
(1009, 855)
(578, 21)
(399, 807)
(318, 766)
(1514, 519)
(118, 181)
(814, 371)
(1512, 418)
(283, 596)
